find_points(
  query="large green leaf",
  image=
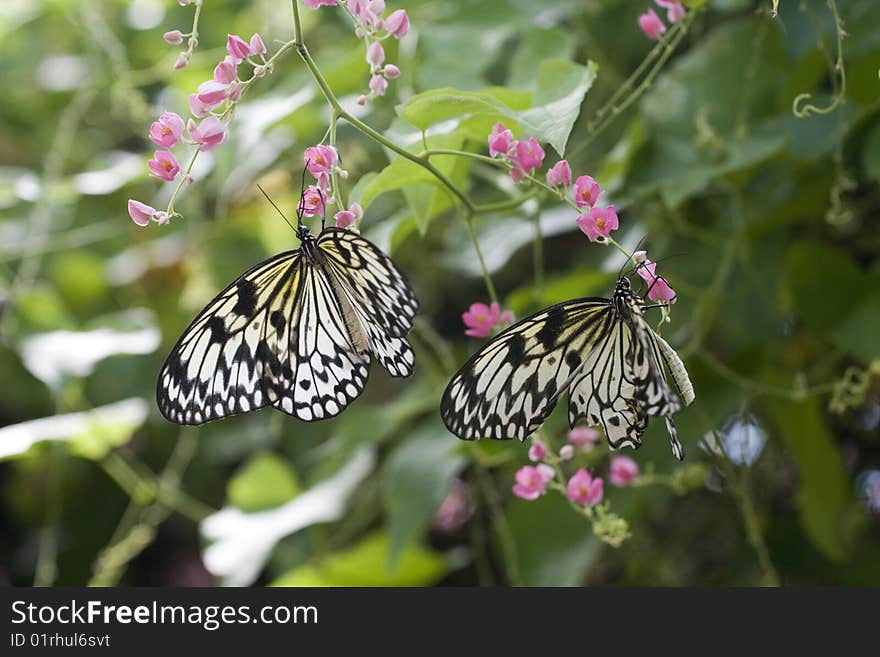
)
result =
(266, 481)
(367, 564)
(416, 478)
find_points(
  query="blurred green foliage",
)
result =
(774, 218)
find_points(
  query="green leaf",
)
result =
(416, 478)
(871, 155)
(852, 332)
(562, 86)
(824, 498)
(366, 564)
(538, 44)
(425, 109)
(265, 482)
(554, 546)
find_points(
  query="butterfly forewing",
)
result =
(295, 332)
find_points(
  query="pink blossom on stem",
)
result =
(312, 202)
(166, 130)
(391, 72)
(531, 482)
(507, 318)
(314, 4)
(320, 159)
(516, 174)
(211, 93)
(455, 509)
(361, 100)
(674, 9)
(164, 165)
(538, 451)
(378, 85)
(586, 191)
(583, 437)
(375, 54)
(528, 154)
(559, 174)
(256, 44)
(584, 489)
(174, 37)
(651, 24)
(500, 140)
(208, 134)
(349, 217)
(480, 319)
(658, 288)
(182, 61)
(225, 72)
(140, 213)
(566, 452)
(196, 107)
(234, 92)
(598, 222)
(397, 23)
(237, 47)
(623, 471)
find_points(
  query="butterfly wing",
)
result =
(216, 367)
(377, 293)
(510, 386)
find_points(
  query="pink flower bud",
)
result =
(507, 318)
(234, 92)
(674, 9)
(391, 72)
(212, 93)
(375, 54)
(140, 213)
(237, 47)
(256, 44)
(500, 140)
(516, 174)
(651, 25)
(182, 61)
(259, 70)
(559, 174)
(658, 288)
(567, 452)
(174, 37)
(208, 134)
(183, 3)
(225, 71)
(344, 219)
(538, 451)
(164, 166)
(584, 437)
(361, 100)
(397, 23)
(528, 154)
(623, 471)
(378, 85)
(377, 7)
(167, 130)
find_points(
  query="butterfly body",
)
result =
(602, 351)
(297, 332)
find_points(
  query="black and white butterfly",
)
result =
(602, 351)
(296, 332)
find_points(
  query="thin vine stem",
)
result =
(800, 106)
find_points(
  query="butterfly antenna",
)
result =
(629, 259)
(323, 209)
(274, 205)
(302, 191)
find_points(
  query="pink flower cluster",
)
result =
(373, 27)
(652, 25)
(480, 319)
(658, 289)
(322, 161)
(219, 93)
(523, 156)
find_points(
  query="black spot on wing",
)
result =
(246, 297)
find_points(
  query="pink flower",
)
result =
(559, 174)
(349, 217)
(166, 130)
(455, 509)
(531, 482)
(320, 159)
(208, 134)
(314, 4)
(516, 174)
(674, 9)
(598, 222)
(584, 437)
(183, 3)
(182, 61)
(140, 213)
(529, 154)
(212, 93)
(623, 471)
(164, 165)
(235, 91)
(566, 452)
(507, 318)
(375, 54)
(256, 45)
(480, 319)
(378, 85)
(397, 23)
(196, 107)
(312, 202)
(225, 72)
(538, 451)
(237, 47)
(361, 100)
(500, 140)
(658, 288)
(586, 191)
(651, 24)
(583, 489)
(391, 72)
(174, 37)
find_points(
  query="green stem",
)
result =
(490, 286)
(799, 106)
(505, 536)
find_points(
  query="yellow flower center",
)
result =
(600, 223)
